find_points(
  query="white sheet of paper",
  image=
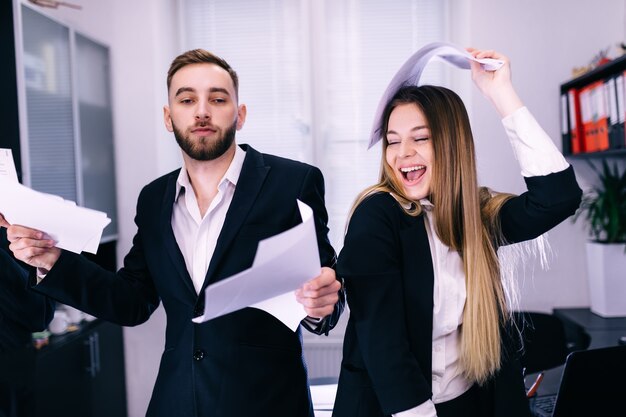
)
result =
(460, 58)
(7, 166)
(285, 308)
(282, 264)
(74, 228)
(411, 71)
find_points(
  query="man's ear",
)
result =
(241, 116)
(167, 119)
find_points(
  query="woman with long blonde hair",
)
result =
(429, 330)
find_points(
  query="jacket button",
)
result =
(198, 311)
(198, 355)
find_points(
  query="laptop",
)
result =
(593, 384)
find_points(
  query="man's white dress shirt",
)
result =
(197, 236)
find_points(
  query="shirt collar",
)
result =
(426, 204)
(232, 173)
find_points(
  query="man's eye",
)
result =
(186, 101)
(219, 100)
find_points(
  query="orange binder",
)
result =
(587, 141)
(600, 116)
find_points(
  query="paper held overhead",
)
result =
(74, 228)
(411, 71)
(282, 264)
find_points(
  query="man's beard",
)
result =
(206, 149)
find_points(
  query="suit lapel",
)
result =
(416, 250)
(169, 240)
(251, 179)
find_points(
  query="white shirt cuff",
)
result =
(425, 409)
(533, 148)
(40, 275)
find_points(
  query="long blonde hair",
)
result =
(466, 220)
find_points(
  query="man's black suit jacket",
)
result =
(246, 363)
(22, 311)
(387, 266)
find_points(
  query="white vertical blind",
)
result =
(312, 72)
(364, 42)
(263, 42)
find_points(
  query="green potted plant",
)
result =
(604, 209)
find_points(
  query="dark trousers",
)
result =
(465, 405)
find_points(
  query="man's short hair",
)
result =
(200, 56)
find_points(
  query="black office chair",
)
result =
(544, 343)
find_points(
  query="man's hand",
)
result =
(319, 295)
(32, 247)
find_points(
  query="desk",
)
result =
(604, 332)
(323, 391)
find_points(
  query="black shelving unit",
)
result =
(603, 72)
(599, 73)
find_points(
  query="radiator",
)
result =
(323, 357)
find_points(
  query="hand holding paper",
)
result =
(282, 264)
(73, 228)
(496, 86)
(320, 295)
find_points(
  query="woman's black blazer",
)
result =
(388, 270)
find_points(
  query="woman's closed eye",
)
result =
(393, 139)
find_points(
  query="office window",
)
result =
(312, 72)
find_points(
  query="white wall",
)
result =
(544, 40)
(143, 39)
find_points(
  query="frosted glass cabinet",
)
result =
(66, 126)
